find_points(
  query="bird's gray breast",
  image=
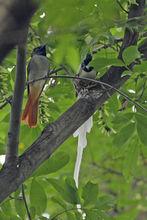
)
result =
(38, 67)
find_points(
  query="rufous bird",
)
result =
(38, 67)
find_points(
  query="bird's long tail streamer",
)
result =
(82, 143)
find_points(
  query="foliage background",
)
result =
(113, 174)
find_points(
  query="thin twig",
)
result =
(109, 170)
(13, 134)
(35, 33)
(95, 81)
(122, 6)
(105, 46)
(55, 71)
(7, 101)
(73, 209)
(25, 202)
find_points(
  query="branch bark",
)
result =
(57, 132)
(14, 18)
(130, 38)
(50, 139)
(13, 134)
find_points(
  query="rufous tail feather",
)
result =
(30, 113)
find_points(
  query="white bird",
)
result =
(81, 132)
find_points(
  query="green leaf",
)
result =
(6, 207)
(130, 54)
(32, 212)
(32, 134)
(3, 216)
(102, 62)
(121, 119)
(38, 197)
(92, 214)
(66, 190)
(144, 150)
(13, 74)
(104, 202)
(128, 215)
(71, 216)
(10, 217)
(72, 190)
(131, 160)
(141, 128)
(59, 201)
(113, 104)
(20, 207)
(73, 58)
(59, 55)
(53, 164)
(58, 186)
(90, 193)
(14, 217)
(141, 68)
(124, 135)
(77, 215)
(42, 218)
(133, 2)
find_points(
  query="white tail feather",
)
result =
(82, 143)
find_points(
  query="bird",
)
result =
(86, 71)
(38, 67)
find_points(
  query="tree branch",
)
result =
(13, 134)
(106, 86)
(50, 139)
(130, 38)
(57, 132)
(7, 101)
(14, 18)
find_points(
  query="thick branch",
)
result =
(14, 17)
(13, 134)
(50, 139)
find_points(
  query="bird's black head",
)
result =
(88, 69)
(41, 50)
(88, 59)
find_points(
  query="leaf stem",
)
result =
(118, 2)
(25, 202)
